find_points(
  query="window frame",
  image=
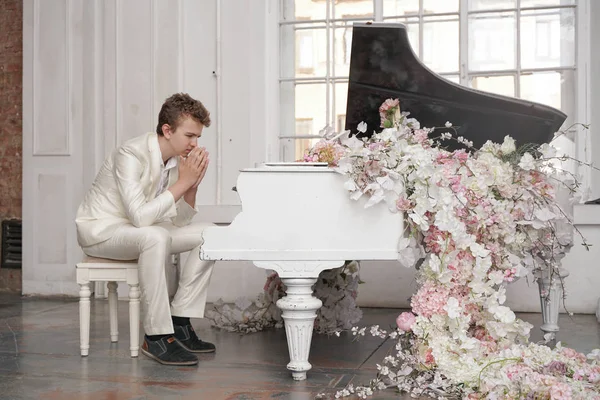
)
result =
(581, 102)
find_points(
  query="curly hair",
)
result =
(178, 106)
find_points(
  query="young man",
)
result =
(140, 207)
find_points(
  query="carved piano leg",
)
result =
(299, 312)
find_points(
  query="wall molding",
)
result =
(68, 84)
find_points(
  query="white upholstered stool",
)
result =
(93, 269)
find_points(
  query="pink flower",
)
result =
(429, 359)
(373, 168)
(461, 155)
(556, 367)
(388, 104)
(430, 299)
(560, 391)
(405, 321)
(403, 204)
(573, 354)
(385, 110)
(509, 274)
(420, 136)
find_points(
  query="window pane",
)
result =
(491, 4)
(543, 87)
(303, 10)
(439, 6)
(352, 8)
(452, 78)
(555, 89)
(440, 43)
(537, 3)
(311, 100)
(400, 7)
(339, 111)
(342, 47)
(504, 85)
(492, 41)
(548, 38)
(307, 48)
(412, 29)
(301, 102)
(304, 126)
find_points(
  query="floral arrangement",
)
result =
(249, 316)
(477, 219)
(337, 288)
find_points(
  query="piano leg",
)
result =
(299, 308)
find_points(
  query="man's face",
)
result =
(185, 138)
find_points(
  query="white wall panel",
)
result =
(50, 74)
(198, 77)
(51, 217)
(106, 18)
(238, 32)
(135, 68)
(165, 52)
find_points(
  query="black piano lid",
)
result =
(383, 65)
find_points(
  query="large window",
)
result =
(520, 48)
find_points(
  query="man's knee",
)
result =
(200, 226)
(155, 236)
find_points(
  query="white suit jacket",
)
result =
(124, 193)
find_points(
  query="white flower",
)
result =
(544, 214)
(356, 195)
(327, 131)
(362, 127)
(352, 142)
(478, 250)
(503, 314)
(547, 151)
(496, 277)
(385, 182)
(350, 185)
(594, 355)
(527, 162)
(387, 134)
(453, 308)
(375, 198)
(434, 263)
(508, 146)
(448, 124)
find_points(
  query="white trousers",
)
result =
(153, 246)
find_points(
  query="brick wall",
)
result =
(11, 105)
(11, 134)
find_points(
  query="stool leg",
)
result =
(84, 318)
(134, 319)
(112, 310)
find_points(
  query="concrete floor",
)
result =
(39, 357)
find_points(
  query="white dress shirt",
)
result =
(164, 175)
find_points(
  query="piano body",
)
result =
(298, 220)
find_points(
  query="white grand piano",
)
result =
(298, 220)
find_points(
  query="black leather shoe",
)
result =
(188, 339)
(168, 351)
